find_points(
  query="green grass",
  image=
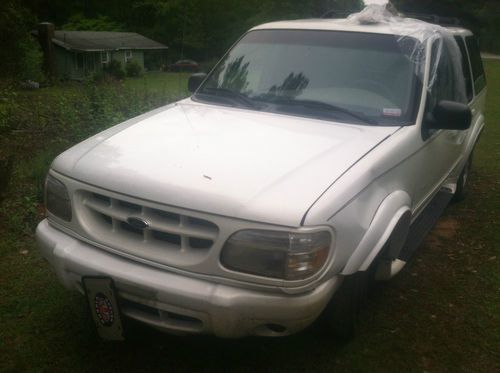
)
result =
(162, 82)
(441, 314)
(159, 82)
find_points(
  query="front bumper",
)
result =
(181, 304)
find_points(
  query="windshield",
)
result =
(343, 76)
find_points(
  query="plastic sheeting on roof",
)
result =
(407, 30)
(376, 2)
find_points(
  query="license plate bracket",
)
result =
(103, 305)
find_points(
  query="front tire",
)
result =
(342, 313)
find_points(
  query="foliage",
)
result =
(70, 112)
(488, 24)
(47, 121)
(30, 65)
(99, 76)
(482, 16)
(115, 69)
(79, 22)
(204, 29)
(9, 107)
(133, 69)
(21, 58)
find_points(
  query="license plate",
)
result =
(103, 304)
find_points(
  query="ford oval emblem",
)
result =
(138, 223)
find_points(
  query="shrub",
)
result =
(79, 22)
(115, 69)
(9, 108)
(99, 76)
(133, 69)
(32, 60)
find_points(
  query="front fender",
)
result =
(392, 219)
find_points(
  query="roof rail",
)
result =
(438, 20)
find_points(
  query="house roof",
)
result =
(93, 41)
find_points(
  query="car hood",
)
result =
(239, 163)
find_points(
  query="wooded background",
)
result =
(198, 29)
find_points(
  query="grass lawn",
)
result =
(159, 82)
(441, 314)
(155, 81)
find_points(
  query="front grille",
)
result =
(107, 221)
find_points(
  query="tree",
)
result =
(79, 22)
(23, 58)
(204, 29)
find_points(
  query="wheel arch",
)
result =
(390, 223)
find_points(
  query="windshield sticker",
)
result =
(393, 112)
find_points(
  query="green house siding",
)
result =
(75, 65)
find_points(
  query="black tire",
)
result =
(342, 313)
(463, 181)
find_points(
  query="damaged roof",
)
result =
(93, 41)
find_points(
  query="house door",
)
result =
(90, 65)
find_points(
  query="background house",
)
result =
(77, 54)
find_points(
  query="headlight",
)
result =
(57, 199)
(283, 255)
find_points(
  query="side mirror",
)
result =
(195, 81)
(449, 115)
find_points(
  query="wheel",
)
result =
(342, 313)
(463, 181)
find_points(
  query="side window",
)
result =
(128, 56)
(104, 57)
(465, 68)
(476, 63)
(443, 77)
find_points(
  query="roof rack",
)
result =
(433, 18)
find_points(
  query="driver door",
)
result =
(442, 148)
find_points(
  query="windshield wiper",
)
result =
(229, 94)
(315, 105)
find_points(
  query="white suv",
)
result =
(315, 154)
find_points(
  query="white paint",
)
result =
(375, 2)
(262, 167)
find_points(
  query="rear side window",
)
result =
(465, 68)
(476, 63)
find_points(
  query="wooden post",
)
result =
(45, 36)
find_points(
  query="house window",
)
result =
(128, 56)
(104, 57)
